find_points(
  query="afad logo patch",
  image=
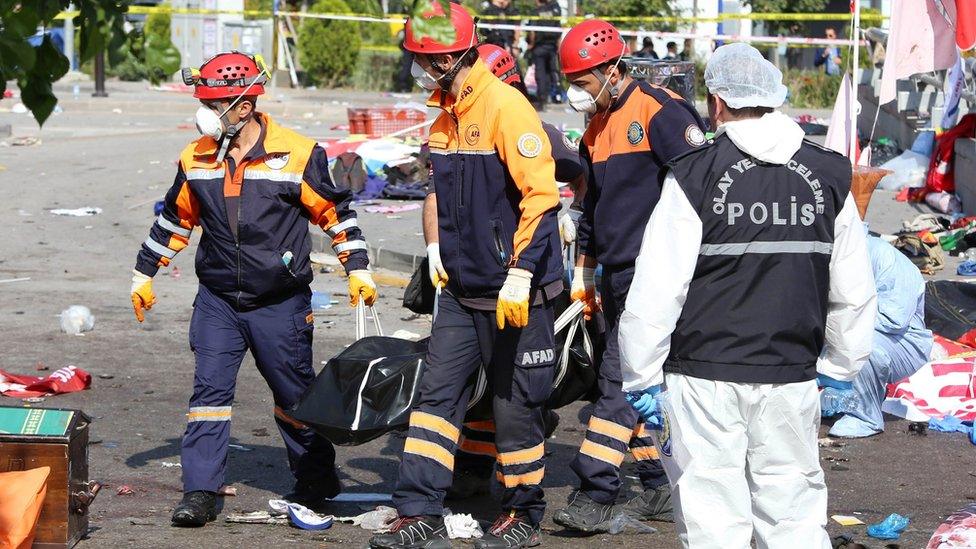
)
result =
(532, 358)
(635, 133)
(529, 145)
(276, 161)
(472, 135)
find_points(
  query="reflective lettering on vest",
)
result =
(531, 358)
(776, 213)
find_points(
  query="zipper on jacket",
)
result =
(459, 186)
(237, 238)
(496, 233)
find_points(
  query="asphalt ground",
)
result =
(122, 162)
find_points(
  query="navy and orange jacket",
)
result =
(625, 151)
(278, 187)
(496, 190)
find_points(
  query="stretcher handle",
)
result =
(361, 320)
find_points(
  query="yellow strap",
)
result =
(601, 452)
(519, 457)
(610, 429)
(429, 450)
(435, 424)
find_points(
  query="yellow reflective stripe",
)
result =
(511, 481)
(641, 430)
(434, 424)
(602, 453)
(209, 413)
(609, 429)
(642, 453)
(478, 447)
(429, 450)
(519, 457)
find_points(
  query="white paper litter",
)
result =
(406, 334)
(377, 520)
(78, 212)
(462, 526)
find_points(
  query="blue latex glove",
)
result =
(889, 528)
(827, 381)
(647, 406)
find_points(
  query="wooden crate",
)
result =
(38, 437)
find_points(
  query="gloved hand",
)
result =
(361, 283)
(435, 268)
(567, 229)
(143, 297)
(584, 289)
(513, 299)
(827, 381)
(645, 402)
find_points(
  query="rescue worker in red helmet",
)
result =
(635, 130)
(252, 186)
(496, 214)
(475, 459)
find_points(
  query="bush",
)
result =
(375, 34)
(376, 70)
(811, 89)
(328, 49)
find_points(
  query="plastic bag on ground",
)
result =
(889, 528)
(909, 170)
(77, 319)
(622, 523)
(374, 521)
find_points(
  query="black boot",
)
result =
(653, 504)
(196, 509)
(423, 532)
(585, 515)
(511, 530)
(314, 494)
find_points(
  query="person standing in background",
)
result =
(829, 56)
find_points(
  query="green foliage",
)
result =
(35, 69)
(786, 6)
(376, 70)
(328, 49)
(374, 34)
(630, 8)
(148, 54)
(811, 89)
(438, 29)
(259, 5)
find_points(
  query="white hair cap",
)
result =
(742, 77)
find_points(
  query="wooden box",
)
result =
(35, 437)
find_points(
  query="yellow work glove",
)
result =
(361, 284)
(143, 297)
(435, 268)
(513, 299)
(584, 289)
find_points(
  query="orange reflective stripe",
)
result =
(609, 429)
(519, 457)
(434, 424)
(484, 426)
(187, 207)
(601, 452)
(280, 414)
(429, 450)
(478, 448)
(642, 453)
(528, 479)
(321, 211)
(640, 431)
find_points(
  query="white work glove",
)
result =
(513, 299)
(567, 229)
(584, 289)
(435, 268)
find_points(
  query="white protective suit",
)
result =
(743, 456)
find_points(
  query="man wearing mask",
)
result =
(753, 277)
(635, 129)
(253, 187)
(497, 203)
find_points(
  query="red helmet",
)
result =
(590, 44)
(501, 63)
(464, 32)
(227, 75)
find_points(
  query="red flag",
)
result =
(966, 24)
(66, 380)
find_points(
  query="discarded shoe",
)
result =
(196, 509)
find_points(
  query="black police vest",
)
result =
(757, 304)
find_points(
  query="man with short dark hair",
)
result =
(672, 54)
(647, 49)
(829, 56)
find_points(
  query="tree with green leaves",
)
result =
(786, 6)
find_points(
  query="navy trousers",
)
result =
(279, 337)
(520, 366)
